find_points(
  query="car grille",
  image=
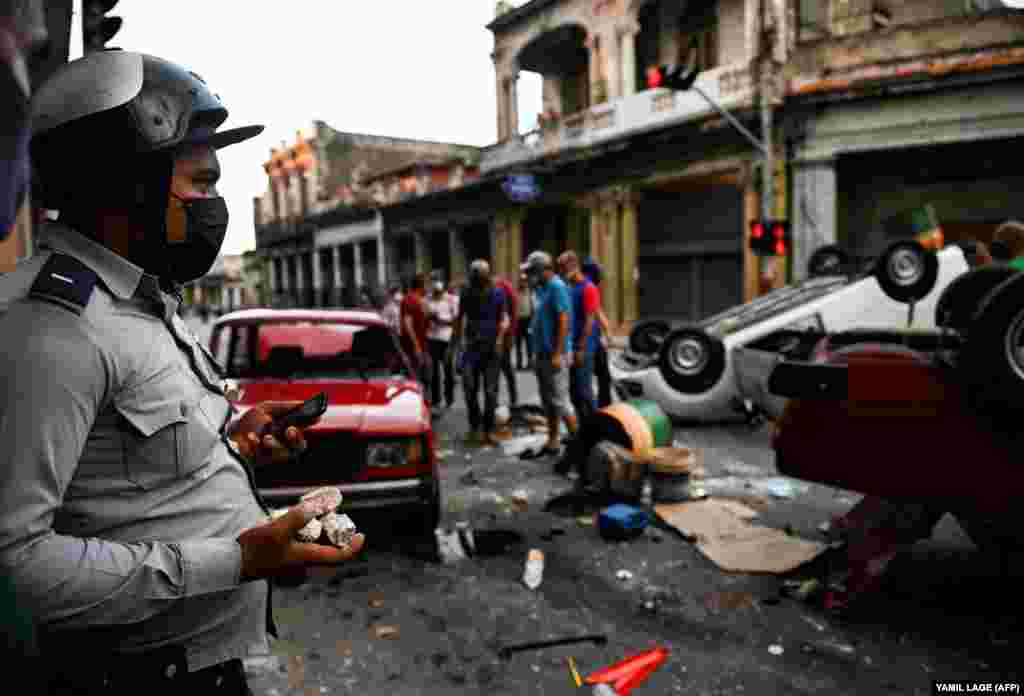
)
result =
(332, 457)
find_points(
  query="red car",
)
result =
(931, 417)
(375, 442)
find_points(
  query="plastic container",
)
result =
(621, 522)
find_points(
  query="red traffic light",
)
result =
(780, 247)
(655, 78)
(757, 230)
(779, 232)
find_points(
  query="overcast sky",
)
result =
(385, 67)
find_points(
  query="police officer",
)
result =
(128, 515)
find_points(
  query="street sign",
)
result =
(521, 188)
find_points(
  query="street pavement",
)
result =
(396, 621)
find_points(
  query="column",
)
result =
(318, 279)
(457, 253)
(500, 253)
(627, 40)
(815, 212)
(593, 66)
(382, 266)
(300, 279)
(514, 239)
(611, 287)
(336, 265)
(357, 256)
(421, 240)
(513, 105)
(272, 281)
(502, 105)
(629, 269)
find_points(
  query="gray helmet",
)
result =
(115, 109)
(169, 105)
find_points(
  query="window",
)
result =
(238, 358)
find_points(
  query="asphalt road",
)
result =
(398, 622)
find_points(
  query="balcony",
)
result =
(731, 86)
(273, 233)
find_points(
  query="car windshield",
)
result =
(772, 304)
(314, 350)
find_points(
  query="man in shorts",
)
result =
(550, 339)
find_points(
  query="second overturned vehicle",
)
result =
(692, 370)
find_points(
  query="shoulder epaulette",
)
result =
(65, 281)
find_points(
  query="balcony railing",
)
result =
(731, 86)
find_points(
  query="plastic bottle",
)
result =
(534, 572)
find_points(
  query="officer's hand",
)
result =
(271, 550)
(268, 450)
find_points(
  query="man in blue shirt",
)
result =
(550, 340)
(483, 320)
(586, 302)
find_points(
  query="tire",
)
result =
(991, 361)
(961, 299)
(691, 361)
(647, 337)
(907, 271)
(830, 259)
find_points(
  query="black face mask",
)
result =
(195, 234)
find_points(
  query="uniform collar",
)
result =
(119, 275)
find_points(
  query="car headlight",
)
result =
(401, 453)
(808, 323)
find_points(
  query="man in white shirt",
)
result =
(392, 312)
(442, 312)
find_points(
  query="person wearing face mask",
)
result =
(129, 518)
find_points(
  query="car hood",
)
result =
(369, 408)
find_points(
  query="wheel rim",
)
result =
(1012, 345)
(905, 267)
(688, 356)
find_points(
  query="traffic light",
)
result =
(675, 77)
(97, 27)
(769, 238)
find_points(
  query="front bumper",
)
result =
(362, 496)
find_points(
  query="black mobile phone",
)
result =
(303, 415)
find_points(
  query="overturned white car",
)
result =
(690, 370)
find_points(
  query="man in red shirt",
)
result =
(510, 339)
(415, 324)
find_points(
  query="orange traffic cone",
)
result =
(627, 674)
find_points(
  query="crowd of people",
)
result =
(477, 331)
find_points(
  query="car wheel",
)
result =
(691, 361)
(647, 337)
(907, 271)
(992, 361)
(830, 259)
(962, 298)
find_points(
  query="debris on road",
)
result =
(830, 649)
(466, 537)
(521, 500)
(670, 470)
(726, 600)
(820, 627)
(516, 446)
(576, 678)
(612, 468)
(375, 600)
(469, 479)
(533, 574)
(449, 546)
(624, 575)
(385, 631)
(776, 650)
(621, 522)
(801, 590)
(773, 486)
(725, 535)
(585, 520)
(624, 676)
(507, 651)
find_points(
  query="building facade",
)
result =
(316, 223)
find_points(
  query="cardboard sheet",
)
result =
(726, 536)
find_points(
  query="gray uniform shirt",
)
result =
(120, 502)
